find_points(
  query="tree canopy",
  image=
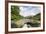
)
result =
(15, 13)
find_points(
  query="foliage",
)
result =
(15, 13)
(37, 17)
(35, 24)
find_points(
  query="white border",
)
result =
(23, 29)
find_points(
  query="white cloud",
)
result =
(26, 12)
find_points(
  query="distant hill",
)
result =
(37, 17)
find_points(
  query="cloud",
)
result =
(29, 10)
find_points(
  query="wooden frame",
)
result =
(6, 16)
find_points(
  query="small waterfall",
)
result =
(25, 26)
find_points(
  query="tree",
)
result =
(15, 13)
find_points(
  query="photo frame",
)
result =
(25, 19)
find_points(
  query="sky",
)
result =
(29, 10)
